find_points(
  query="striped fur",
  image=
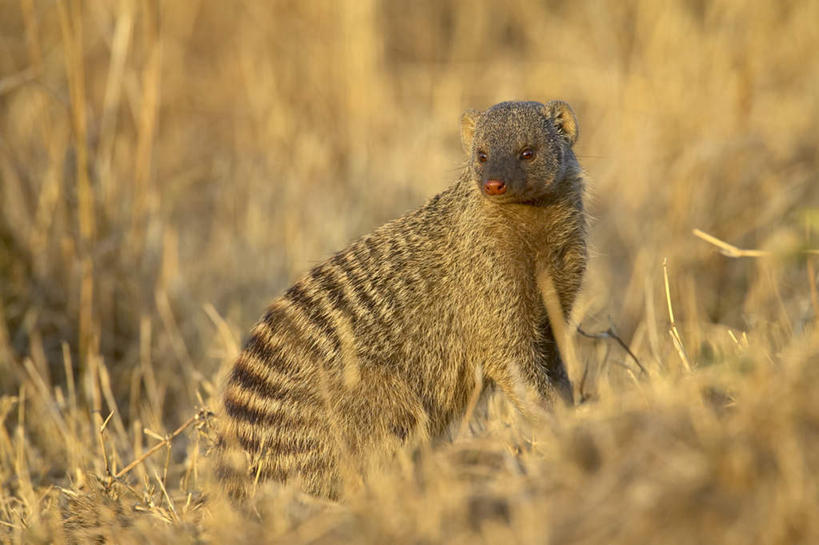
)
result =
(379, 346)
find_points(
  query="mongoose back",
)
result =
(383, 343)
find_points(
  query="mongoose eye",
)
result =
(482, 157)
(527, 154)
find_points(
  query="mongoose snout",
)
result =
(385, 344)
(494, 187)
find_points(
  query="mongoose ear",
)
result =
(563, 118)
(468, 121)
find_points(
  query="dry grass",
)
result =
(168, 167)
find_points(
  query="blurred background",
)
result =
(166, 168)
(158, 159)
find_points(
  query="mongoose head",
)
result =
(519, 152)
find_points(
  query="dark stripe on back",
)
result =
(391, 275)
(248, 379)
(259, 347)
(250, 444)
(356, 282)
(282, 445)
(312, 309)
(373, 249)
(294, 445)
(397, 259)
(362, 256)
(264, 351)
(278, 418)
(378, 279)
(334, 292)
(283, 326)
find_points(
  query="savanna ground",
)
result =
(168, 167)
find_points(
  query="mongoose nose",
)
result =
(494, 187)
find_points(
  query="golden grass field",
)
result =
(167, 168)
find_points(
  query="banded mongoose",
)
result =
(383, 343)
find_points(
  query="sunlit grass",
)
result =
(167, 168)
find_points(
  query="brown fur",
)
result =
(381, 344)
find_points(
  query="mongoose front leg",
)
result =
(553, 365)
(533, 377)
(558, 298)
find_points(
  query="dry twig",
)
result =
(203, 414)
(729, 249)
(610, 334)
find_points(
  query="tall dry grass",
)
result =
(166, 168)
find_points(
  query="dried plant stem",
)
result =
(673, 331)
(610, 334)
(729, 249)
(71, 26)
(732, 251)
(158, 446)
